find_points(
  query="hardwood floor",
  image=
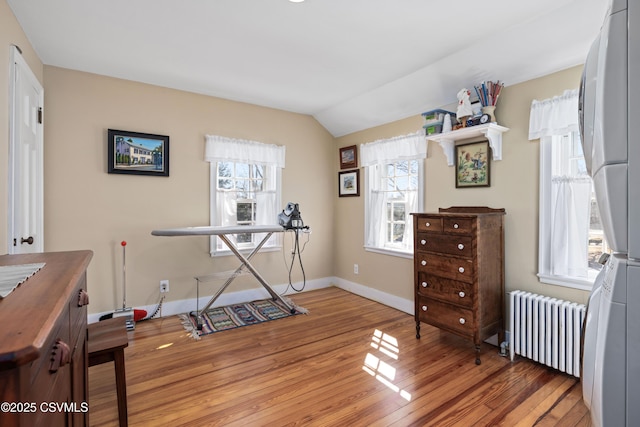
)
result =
(350, 361)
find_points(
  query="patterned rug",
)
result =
(233, 316)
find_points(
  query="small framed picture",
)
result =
(137, 153)
(472, 164)
(349, 183)
(349, 157)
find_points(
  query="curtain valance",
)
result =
(406, 147)
(223, 149)
(554, 116)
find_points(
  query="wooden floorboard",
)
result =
(349, 362)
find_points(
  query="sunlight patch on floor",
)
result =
(379, 369)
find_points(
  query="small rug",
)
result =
(233, 316)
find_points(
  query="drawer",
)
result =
(430, 224)
(445, 243)
(42, 379)
(446, 316)
(458, 225)
(448, 290)
(448, 267)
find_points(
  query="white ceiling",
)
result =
(352, 64)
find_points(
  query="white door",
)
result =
(25, 214)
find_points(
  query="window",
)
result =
(570, 232)
(393, 173)
(245, 188)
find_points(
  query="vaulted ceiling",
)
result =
(352, 64)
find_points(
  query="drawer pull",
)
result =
(427, 224)
(462, 321)
(456, 226)
(425, 284)
(83, 298)
(460, 246)
(424, 308)
(60, 355)
(423, 262)
(461, 269)
(423, 242)
(461, 294)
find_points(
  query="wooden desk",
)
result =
(45, 318)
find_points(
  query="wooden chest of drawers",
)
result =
(459, 272)
(43, 343)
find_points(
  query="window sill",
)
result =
(392, 252)
(570, 282)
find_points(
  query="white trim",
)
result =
(402, 304)
(401, 254)
(172, 308)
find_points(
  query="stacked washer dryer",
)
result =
(610, 128)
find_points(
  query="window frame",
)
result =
(369, 175)
(274, 243)
(544, 227)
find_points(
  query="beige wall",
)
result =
(514, 186)
(85, 207)
(10, 34)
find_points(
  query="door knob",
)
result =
(28, 240)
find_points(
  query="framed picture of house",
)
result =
(137, 153)
(472, 164)
(349, 157)
(349, 183)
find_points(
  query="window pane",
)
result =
(245, 212)
(402, 182)
(398, 233)
(242, 170)
(398, 212)
(225, 184)
(225, 169)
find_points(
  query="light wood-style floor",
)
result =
(349, 362)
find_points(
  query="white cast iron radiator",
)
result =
(546, 330)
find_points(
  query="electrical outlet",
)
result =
(164, 286)
(355, 268)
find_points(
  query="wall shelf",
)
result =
(492, 131)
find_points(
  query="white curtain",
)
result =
(570, 201)
(223, 149)
(549, 120)
(554, 116)
(407, 147)
(374, 156)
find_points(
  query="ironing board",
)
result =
(223, 233)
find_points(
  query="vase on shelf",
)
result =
(491, 111)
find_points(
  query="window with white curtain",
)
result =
(393, 190)
(245, 188)
(570, 232)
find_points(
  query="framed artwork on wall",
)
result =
(137, 153)
(473, 164)
(349, 183)
(349, 157)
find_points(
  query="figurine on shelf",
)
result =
(464, 106)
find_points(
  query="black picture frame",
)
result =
(473, 164)
(137, 153)
(349, 183)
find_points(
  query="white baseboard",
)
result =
(402, 304)
(171, 308)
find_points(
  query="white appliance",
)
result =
(610, 128)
